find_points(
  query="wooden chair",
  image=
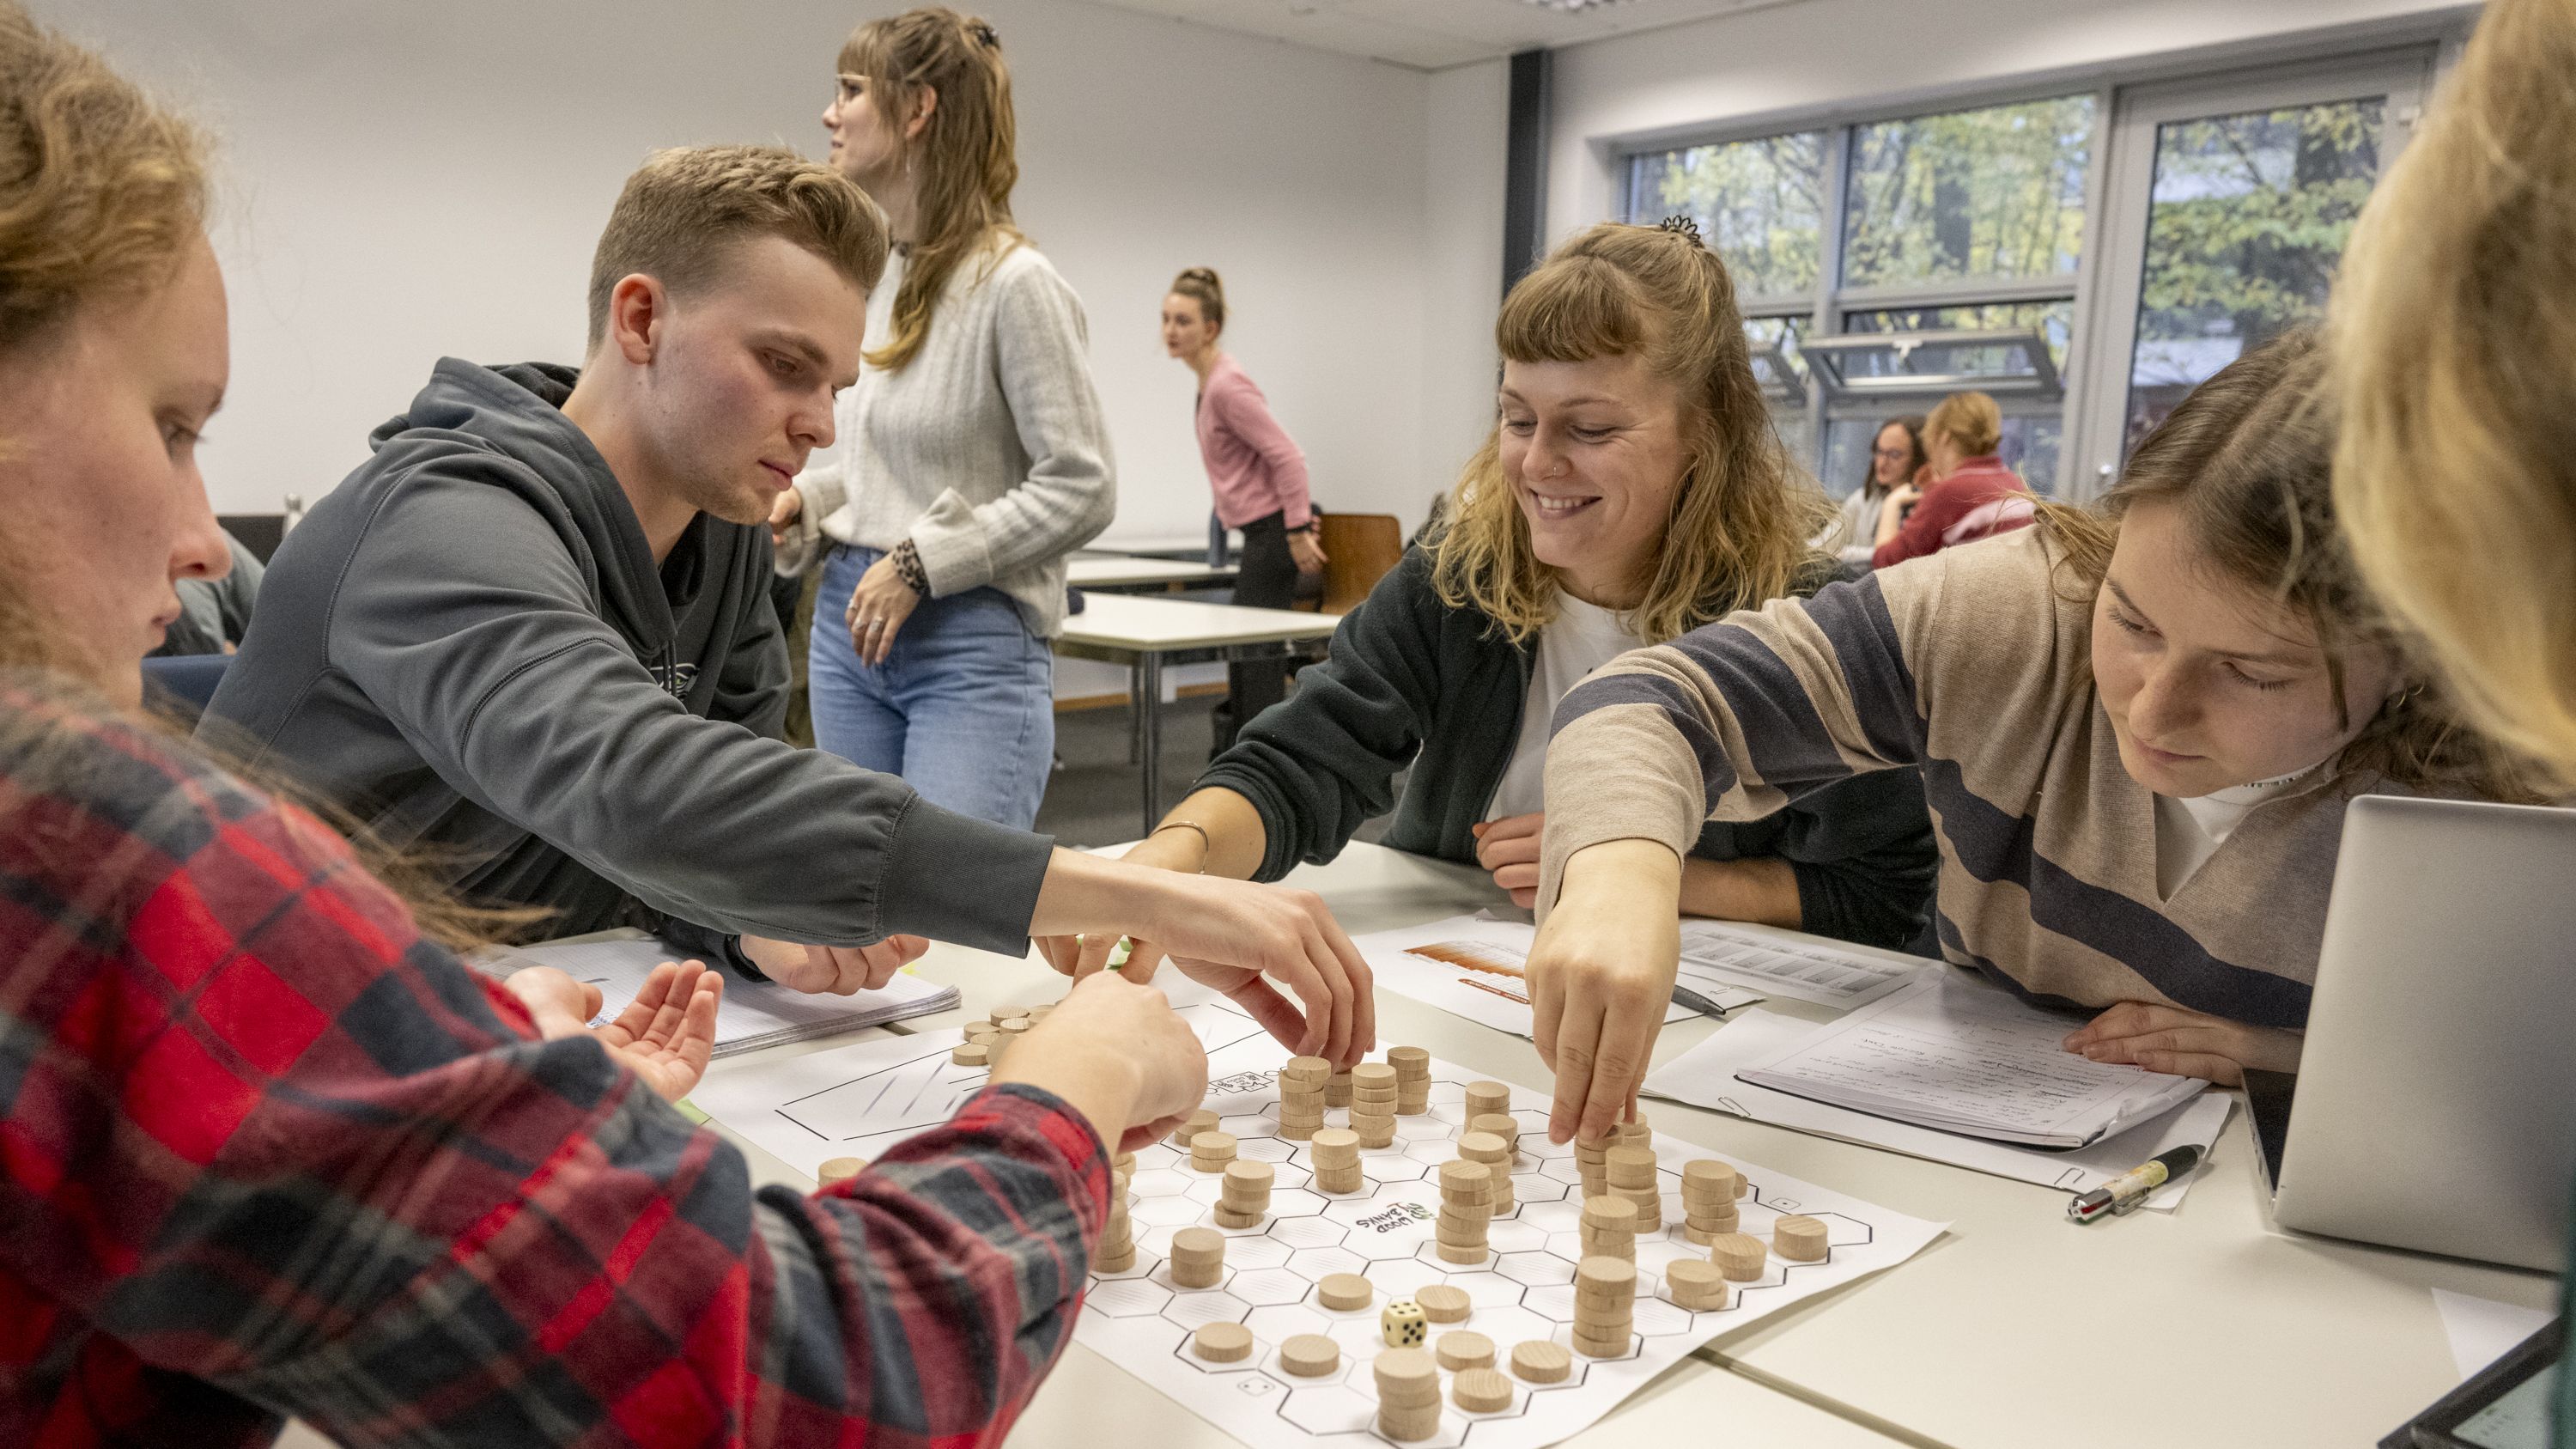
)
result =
(1359, 549)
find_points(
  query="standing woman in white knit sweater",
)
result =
(973, 455)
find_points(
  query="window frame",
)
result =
(2103, 290)
(2402, 75)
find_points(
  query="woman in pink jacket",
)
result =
(1257, 474)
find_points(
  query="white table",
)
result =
(2206, 1326)
(1110, 572)
(1147, 633)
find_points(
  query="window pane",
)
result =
(1759, 205)
(1766, 335)
(2246, 222)
(2053, 319)
(1991, 193)
(1847, 459)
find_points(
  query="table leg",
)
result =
(1135, 713)
(1149, 732)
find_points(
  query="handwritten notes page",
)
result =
(1722, 954)
(1950, 1054)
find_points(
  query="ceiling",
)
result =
(1436, 34)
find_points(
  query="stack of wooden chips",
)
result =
(1337, 1090)
(1245, 1195)
(1211, 1151)
(1486, 1148)
(1117, 1250)
(1335, 1153)
(1501, 1124)
(1709, 1191)
(1412, 1079)
(1373, 1093)
(1301, 1096)
(1466, 1210)
(1634, 1133)
(1695, 1285)
(1408, 1394)
(1633, 1176)
(1198, 1257)
(981, 1033)
(1199, 1121)
(1486, 1098)
(1605, 1306)
(1609, 1228)
(1590, 1159)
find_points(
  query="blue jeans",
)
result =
(963, 708)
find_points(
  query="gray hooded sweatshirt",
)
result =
(468, 644)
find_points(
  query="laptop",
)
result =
(2436, 1105)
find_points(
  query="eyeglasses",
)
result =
(1898, 455)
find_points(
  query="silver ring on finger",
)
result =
(873, 625)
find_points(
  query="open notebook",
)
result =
(755, 1014)
(1947, 1053)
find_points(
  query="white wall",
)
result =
(403, 181)
(1799, 61)
(1462, 284)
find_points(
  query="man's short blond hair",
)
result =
(683, 212)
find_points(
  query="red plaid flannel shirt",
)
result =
(264, 1151)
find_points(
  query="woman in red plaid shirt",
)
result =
(267, 1149)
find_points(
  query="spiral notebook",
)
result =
(755, 1014)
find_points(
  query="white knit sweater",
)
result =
(987, 450)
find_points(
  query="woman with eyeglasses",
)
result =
(1896, 459)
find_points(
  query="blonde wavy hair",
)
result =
(2246, 460)
(2454, 328)
(965, 161)
(1743, 515)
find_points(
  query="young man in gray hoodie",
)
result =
(531, 635)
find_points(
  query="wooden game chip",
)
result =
(1483, 1147)
(1484, 1097)
(1616, 1213)
(1463, 1254)
(1231, 1218)
(1344, 1291)
(1630, 1167)
(1373, 1074)
(1602, 1273)
(1538, 1361)
(1245, 1175)
(1501, 1124)
(1707, 1177)
(1443, 1304)
(1305, 1071)
(1463, 1349)
(1335, 1140)
(969, 1054)
(839, 1169)
(1223, 1342)
(1481, 1391)
(1739, 1256)
(1799, 1239)
(1461, 1173)
(1310, 1355)
(1695, 1285)
(1198, 1245)
(1599, 1347)
(1404, 1373)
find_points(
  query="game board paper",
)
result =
(858, 1100)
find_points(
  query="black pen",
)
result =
(2122, 1194)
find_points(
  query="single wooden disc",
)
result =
(1799, 1239)
(839, 1169)
(1463, 1349)
(1631, 1166)
(1481, 1391)
(1460, 1173)
(1345, 1291)
(1310, 1355)
(1739, 1256)
(969, 1054)
(1616, 1213)
(1404, 1057)
(1335, 1139)
(1501, 1124)
(1484, 1147)
(1605, 1274)
(1538, 1361)
(1485, 1097)
(1246, 1175)
(1199, 1245)
(1405, 1368)
(1224, 1342)
(1444, 1304)
(1374, 1074)
(1313, 1070)
(1693, 1276)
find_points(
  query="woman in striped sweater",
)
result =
(2138, 729)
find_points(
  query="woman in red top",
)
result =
(1258, 476)
(1971, 495)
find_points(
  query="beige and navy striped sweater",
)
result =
(1972, 665)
